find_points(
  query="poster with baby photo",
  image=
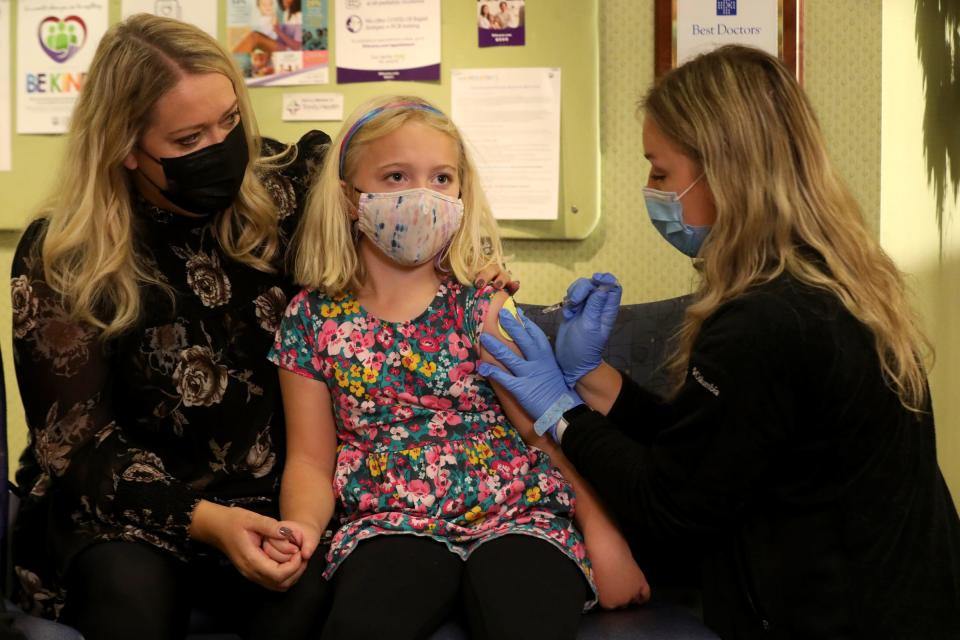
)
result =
(501, 24)
(279, 42)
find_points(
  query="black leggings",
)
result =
(129, 590)
(403, 587)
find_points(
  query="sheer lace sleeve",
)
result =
(77, 448)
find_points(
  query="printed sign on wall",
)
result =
(379, 40)
(501, 24)
(686, 28)
(279, 42)
(5, 52)
(55, 44)
(201, 13)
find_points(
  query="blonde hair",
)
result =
(781, 207)
(326, 255)
(88, 250)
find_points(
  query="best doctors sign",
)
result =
(697, 26)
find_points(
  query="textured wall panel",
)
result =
(842, 50)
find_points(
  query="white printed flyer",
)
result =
(387, 40)
(510, 118)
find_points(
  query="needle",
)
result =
(566, 299)
(556, 306)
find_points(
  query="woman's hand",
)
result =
(500, 278)
(240, 535)
(589, 313)
(535, 379)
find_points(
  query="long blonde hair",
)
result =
(326, 253)
(88, 248)
(781, 207)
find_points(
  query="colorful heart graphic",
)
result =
(61, 39)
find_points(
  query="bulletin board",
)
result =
(558, 34)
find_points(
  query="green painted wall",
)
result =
(846, 96)
(908, 229)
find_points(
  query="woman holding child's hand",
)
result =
(147, 296)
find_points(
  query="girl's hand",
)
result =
(499, 278)
(279, 550)
(619, 579)
(240, 534)
(305, 539)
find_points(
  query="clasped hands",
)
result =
(255, 544)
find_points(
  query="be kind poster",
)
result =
(56, 40)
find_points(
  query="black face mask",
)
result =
(208, 180)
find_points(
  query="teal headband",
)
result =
(370, 115)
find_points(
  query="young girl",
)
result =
(439, 499)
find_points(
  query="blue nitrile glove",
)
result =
(536, 381)
(588, 318)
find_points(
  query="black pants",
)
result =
(126, 590)
(403, 587)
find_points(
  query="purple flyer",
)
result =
(501, 24)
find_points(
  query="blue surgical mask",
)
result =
(666, 214)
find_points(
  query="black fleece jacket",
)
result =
(812, 494)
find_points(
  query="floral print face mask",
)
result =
(411, 226)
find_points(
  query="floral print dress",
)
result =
(423, 445)
(126, 435)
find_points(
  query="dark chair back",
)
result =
(641, 338)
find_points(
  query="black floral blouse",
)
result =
(128, 434)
